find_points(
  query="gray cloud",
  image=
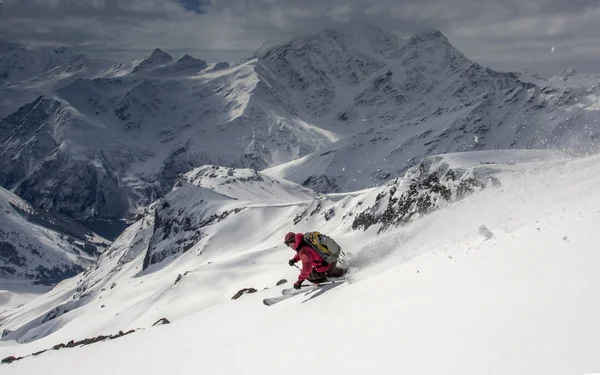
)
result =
(509, 34)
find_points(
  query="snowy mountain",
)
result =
(426, 99)
(191, 227)
(41, 246)
(17, 63)
(206, 196)
(27, 73)
(460, 196)
(360, 107)
(154, 60)
(495, 281)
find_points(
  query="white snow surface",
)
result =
(434, 296)
(245, 184)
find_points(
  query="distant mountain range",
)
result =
(335, 111)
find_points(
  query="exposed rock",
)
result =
(485, 232)
(72, 344)
(161, 321)
(220, 66)
(10, 359)
(426, 192)
(178, 279)
(281, 282)
(243, 291)
(60, 310)
(321, 184)
(179, 223)
(329, 214)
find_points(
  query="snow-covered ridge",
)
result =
(360, 105)
(17, 63)
(244, 184)
(40, 246)
(156, 59)
(186, 218)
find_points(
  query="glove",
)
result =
(291, 262)
(298, 284)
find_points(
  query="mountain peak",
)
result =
(185, 58)
(428, 35)
(153, 60)
(159, 56)
(188, 62)
(366, 37)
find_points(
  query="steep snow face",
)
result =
(445, 103)
(359, 107)
(532, 309)
(39, 246)
(38, 164)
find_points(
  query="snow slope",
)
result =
(358, 107)
(41, 247)
(436, 295)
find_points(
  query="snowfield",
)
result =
(440, 294)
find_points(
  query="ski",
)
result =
(290, 292)
(328, 281)
(274, 300)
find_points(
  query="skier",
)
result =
(314, 267)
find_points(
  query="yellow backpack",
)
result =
(324, 245)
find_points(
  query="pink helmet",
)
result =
(290, 237)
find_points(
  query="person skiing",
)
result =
(314, 267)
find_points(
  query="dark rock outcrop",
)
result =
(243, 291)
(72, 344)
(426, 192)
(220, 66)
(161, 321)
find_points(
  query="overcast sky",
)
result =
(507, 34)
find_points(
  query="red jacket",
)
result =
(309, 257)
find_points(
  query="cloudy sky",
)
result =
(507, 34)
